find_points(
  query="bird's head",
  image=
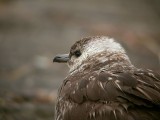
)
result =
(91, 51)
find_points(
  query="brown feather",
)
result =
(96, 96)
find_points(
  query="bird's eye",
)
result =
(77, 53)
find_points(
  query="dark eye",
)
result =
(77, 53)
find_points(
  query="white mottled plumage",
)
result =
(100, 45)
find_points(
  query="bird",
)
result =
(103, 84)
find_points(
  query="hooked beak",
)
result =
(61, 58)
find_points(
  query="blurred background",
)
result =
(33, 31)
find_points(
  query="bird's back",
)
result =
(106, 95)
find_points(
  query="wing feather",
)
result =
(116, 96)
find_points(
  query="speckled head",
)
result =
(89, 50)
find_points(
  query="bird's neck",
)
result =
(110, 62)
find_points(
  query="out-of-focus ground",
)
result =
(33, 31)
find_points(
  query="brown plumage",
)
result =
(104, 85)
